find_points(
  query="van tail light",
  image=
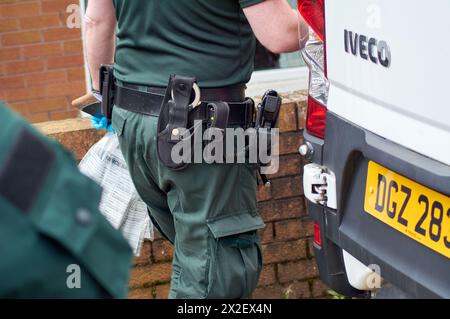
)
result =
(314, 54)
(317, 235)
(313, 12)
(316, 118)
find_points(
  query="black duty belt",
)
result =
(128, 97)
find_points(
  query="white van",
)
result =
(378, 143)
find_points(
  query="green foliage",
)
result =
(286, 294)
(336, 295)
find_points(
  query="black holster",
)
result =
(107, 87)
(175, 125)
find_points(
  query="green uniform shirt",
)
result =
(208, 39)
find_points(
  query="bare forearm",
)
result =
(290, 39)
(100, 38)
(276, 25)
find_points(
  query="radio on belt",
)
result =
(266, 119)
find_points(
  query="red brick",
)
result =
(289, 165)
(151, 274)
(162, 250)
(290, 143)
(20, 108)
(140, 293)
(15, 82)
(263, 193)
(288, 117)
(297, 290)
(43, 21)
(24, 67)
(282, 209)
(47, 104)
(310, 251)
(297, 270)
(284, 251)
(42, 79)
(9, 54)
(59, 34)
(269, 292)
(307, 228)
(42, 50)
(8, 25)
(80, 143)
(301, 112)
(56, 5)
(76, 74)
(23, 94)
(20, 10)
(145, 256)
(18, 38)
(63, 115)
(319, 289)
(267, 276)
(287, 187)
(266, 233)
(60, 89)
(162, 291)
(71, 47)
(288, 229)
(38, 118)
(65, 62)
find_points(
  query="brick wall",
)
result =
(41, 60)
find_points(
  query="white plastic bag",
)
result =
(120, 203)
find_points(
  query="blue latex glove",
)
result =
(101, 123)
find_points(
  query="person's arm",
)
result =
(100, 26)
(276, 25)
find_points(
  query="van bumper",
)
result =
(415, 269)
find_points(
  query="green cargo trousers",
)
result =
(208, 211)
(54, 242)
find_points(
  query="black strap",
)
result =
(178, 115)
(149, 103)
(218, 113)
(25, 171)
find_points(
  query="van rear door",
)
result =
(387, 138)
(405, 100)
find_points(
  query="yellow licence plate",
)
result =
(413, 209)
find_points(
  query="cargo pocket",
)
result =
(234, 253)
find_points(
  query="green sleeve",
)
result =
(248, 3)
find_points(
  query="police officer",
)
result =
(207, 210)
(54, 243)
